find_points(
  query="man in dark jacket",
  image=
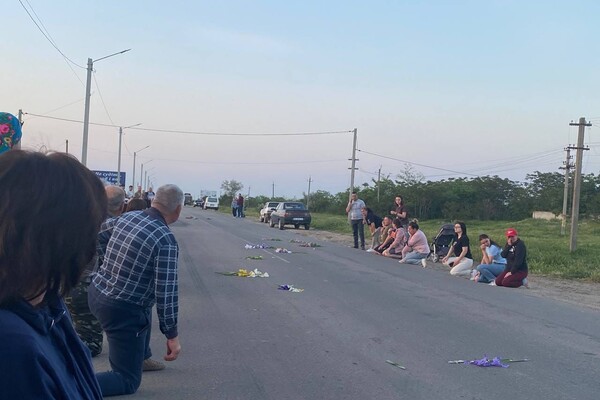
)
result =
(515, 253)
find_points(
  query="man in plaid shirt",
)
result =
(139, 270)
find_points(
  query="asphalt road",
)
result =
(242, 338)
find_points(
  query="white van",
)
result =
(211, 203)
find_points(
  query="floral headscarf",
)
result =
(10, 131)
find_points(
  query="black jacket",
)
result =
(516, 257)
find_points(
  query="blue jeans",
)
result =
(489, 272)
(127, 329)
(413, 257)
(358, 229)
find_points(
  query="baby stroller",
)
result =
(441, 243)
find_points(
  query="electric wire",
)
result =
(102, 99)
(414, 163)
(196, 132)
(47, 36)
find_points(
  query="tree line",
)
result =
(479, 198)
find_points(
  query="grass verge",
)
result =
(548, 251)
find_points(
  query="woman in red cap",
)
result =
(516, 261)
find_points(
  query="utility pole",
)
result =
(378, 182)
(577, 181)
(21, 117)
(86, 112)
(67, 146)
(273, 191)
(308, 194)
(353, 167)
(567, 168)
(119, 162)
(86, 115)
(133, 174)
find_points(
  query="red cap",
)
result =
(511, 232)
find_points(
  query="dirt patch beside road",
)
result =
(570, 291)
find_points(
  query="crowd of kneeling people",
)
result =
(397, 237)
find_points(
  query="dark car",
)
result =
(199, 203)
(290, 213)
(188, 200)
(268, 208)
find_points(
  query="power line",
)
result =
(46, 36)
(102, 99)
(196, 132)
(242, 134)
(420, 165)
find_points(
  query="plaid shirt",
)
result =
(140, 264)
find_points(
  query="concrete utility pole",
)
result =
(133, 173)
(21, 117)
(119, 162)
(86, 115)
(567, 168)
(353, 167)
(67, 146)
(308, 194)
(273, 191)
(378, 182)
(577, 181)
(142, 172)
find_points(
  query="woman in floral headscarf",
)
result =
(10, 132)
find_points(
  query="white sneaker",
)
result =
(370, 250)
(424, 262)
(492, 283)
(526, 283)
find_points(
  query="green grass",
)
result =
(548, 251)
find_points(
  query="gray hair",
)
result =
(116, 199)
(169, 196)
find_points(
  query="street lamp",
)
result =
(133, 174)
(86, 115)
(146, 176)
(142, 173)
(120, 139)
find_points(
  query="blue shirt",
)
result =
(493, 252)
(140, 265)
(41, 354)
(355, 209)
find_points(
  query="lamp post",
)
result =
(133, 174)
(146, 176)
(86, 115)
(120, 140)
(142, 172)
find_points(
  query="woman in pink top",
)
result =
(416, 249)
(395, 249)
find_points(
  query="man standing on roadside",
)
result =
(240, 206)
(139, 270)
(355, 205)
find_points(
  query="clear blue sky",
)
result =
(478, 87)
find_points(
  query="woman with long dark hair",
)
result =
(49, 226)
(462, 262)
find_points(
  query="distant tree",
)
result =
(231, 188)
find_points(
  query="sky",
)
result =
(446, 88)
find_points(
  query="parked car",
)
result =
(211, 203)
(188, 200)
(268, 208)
(199, 203)
(290, 213)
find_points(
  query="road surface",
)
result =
(242, 338)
